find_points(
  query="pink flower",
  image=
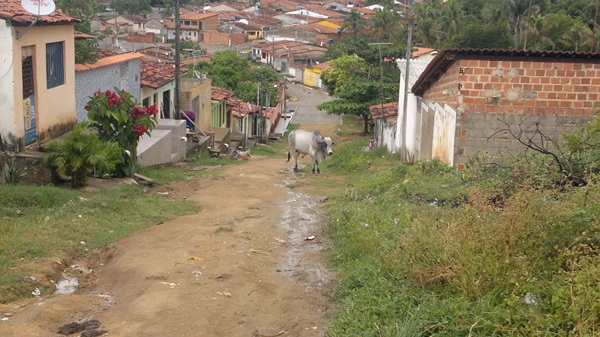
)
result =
(88, 107)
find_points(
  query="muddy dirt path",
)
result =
(241, 266)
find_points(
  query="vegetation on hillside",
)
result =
(248, 82)
(503, 249)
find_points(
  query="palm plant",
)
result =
(82, 153)
(353, 22)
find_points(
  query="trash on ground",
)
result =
(67, 286)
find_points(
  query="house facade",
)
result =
(110, 71)
(37, 63)
(468, 98)
(158, 86)
(193, 26)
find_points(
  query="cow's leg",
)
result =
(316, 167)
(295, 156)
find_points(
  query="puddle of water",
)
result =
(300, 219)
(67, 286)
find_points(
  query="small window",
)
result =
(55, 64)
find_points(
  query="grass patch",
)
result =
(223, 229)
(55, 224)
(425, 250)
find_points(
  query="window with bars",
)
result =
(55, 64)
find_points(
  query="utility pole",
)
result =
(404, 152)
(177, 61)
(380, 74)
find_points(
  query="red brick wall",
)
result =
(524, 95)
(214, 37)
(141, 38)
(521, 87)
(445, 89)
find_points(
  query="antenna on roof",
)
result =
(38, 8)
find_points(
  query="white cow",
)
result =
(311, 143)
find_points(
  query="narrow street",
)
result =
(241, 266)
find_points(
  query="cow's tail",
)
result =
(289, 156)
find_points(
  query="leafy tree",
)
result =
(349, 45)
(353, 23)
(511, 13)
(478, 36)
(132, 7)
(347, 78)
(84, 10)
(385, 22)
(451, 18)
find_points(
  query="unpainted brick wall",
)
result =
(141, 38)
(214, 37)
(555, 96)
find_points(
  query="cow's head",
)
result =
(327, 144)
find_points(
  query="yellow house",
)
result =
(312, 76)
(37, 76)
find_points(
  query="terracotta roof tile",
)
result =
(107, 61)
(240, 108)
(13, 11)
(421, 51)
(197, 16)
(390, 110)
(155, 74)
(219, 94)
(82, 35)
(322, 65)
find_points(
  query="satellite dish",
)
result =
(39, 7)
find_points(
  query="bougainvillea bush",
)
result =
(117, 117)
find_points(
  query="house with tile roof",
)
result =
(312, 75)
(37, 76)
(158, 85)
(384, 117)
(469, 98)
(383, 125)
(193, 25)
(110, 71)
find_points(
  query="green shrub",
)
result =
(82, 153)
(11, 174)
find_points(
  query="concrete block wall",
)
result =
(156, 149)
(178, 136)
(488, 134)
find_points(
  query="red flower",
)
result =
(137, 112)
(152, 110)
(139, 129)
(88, 107)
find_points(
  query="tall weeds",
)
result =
(432, 251)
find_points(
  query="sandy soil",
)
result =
(241, 266)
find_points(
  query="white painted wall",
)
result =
(411, 124)
(7, 98)
(443, 134)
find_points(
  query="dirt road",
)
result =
(241, 266)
